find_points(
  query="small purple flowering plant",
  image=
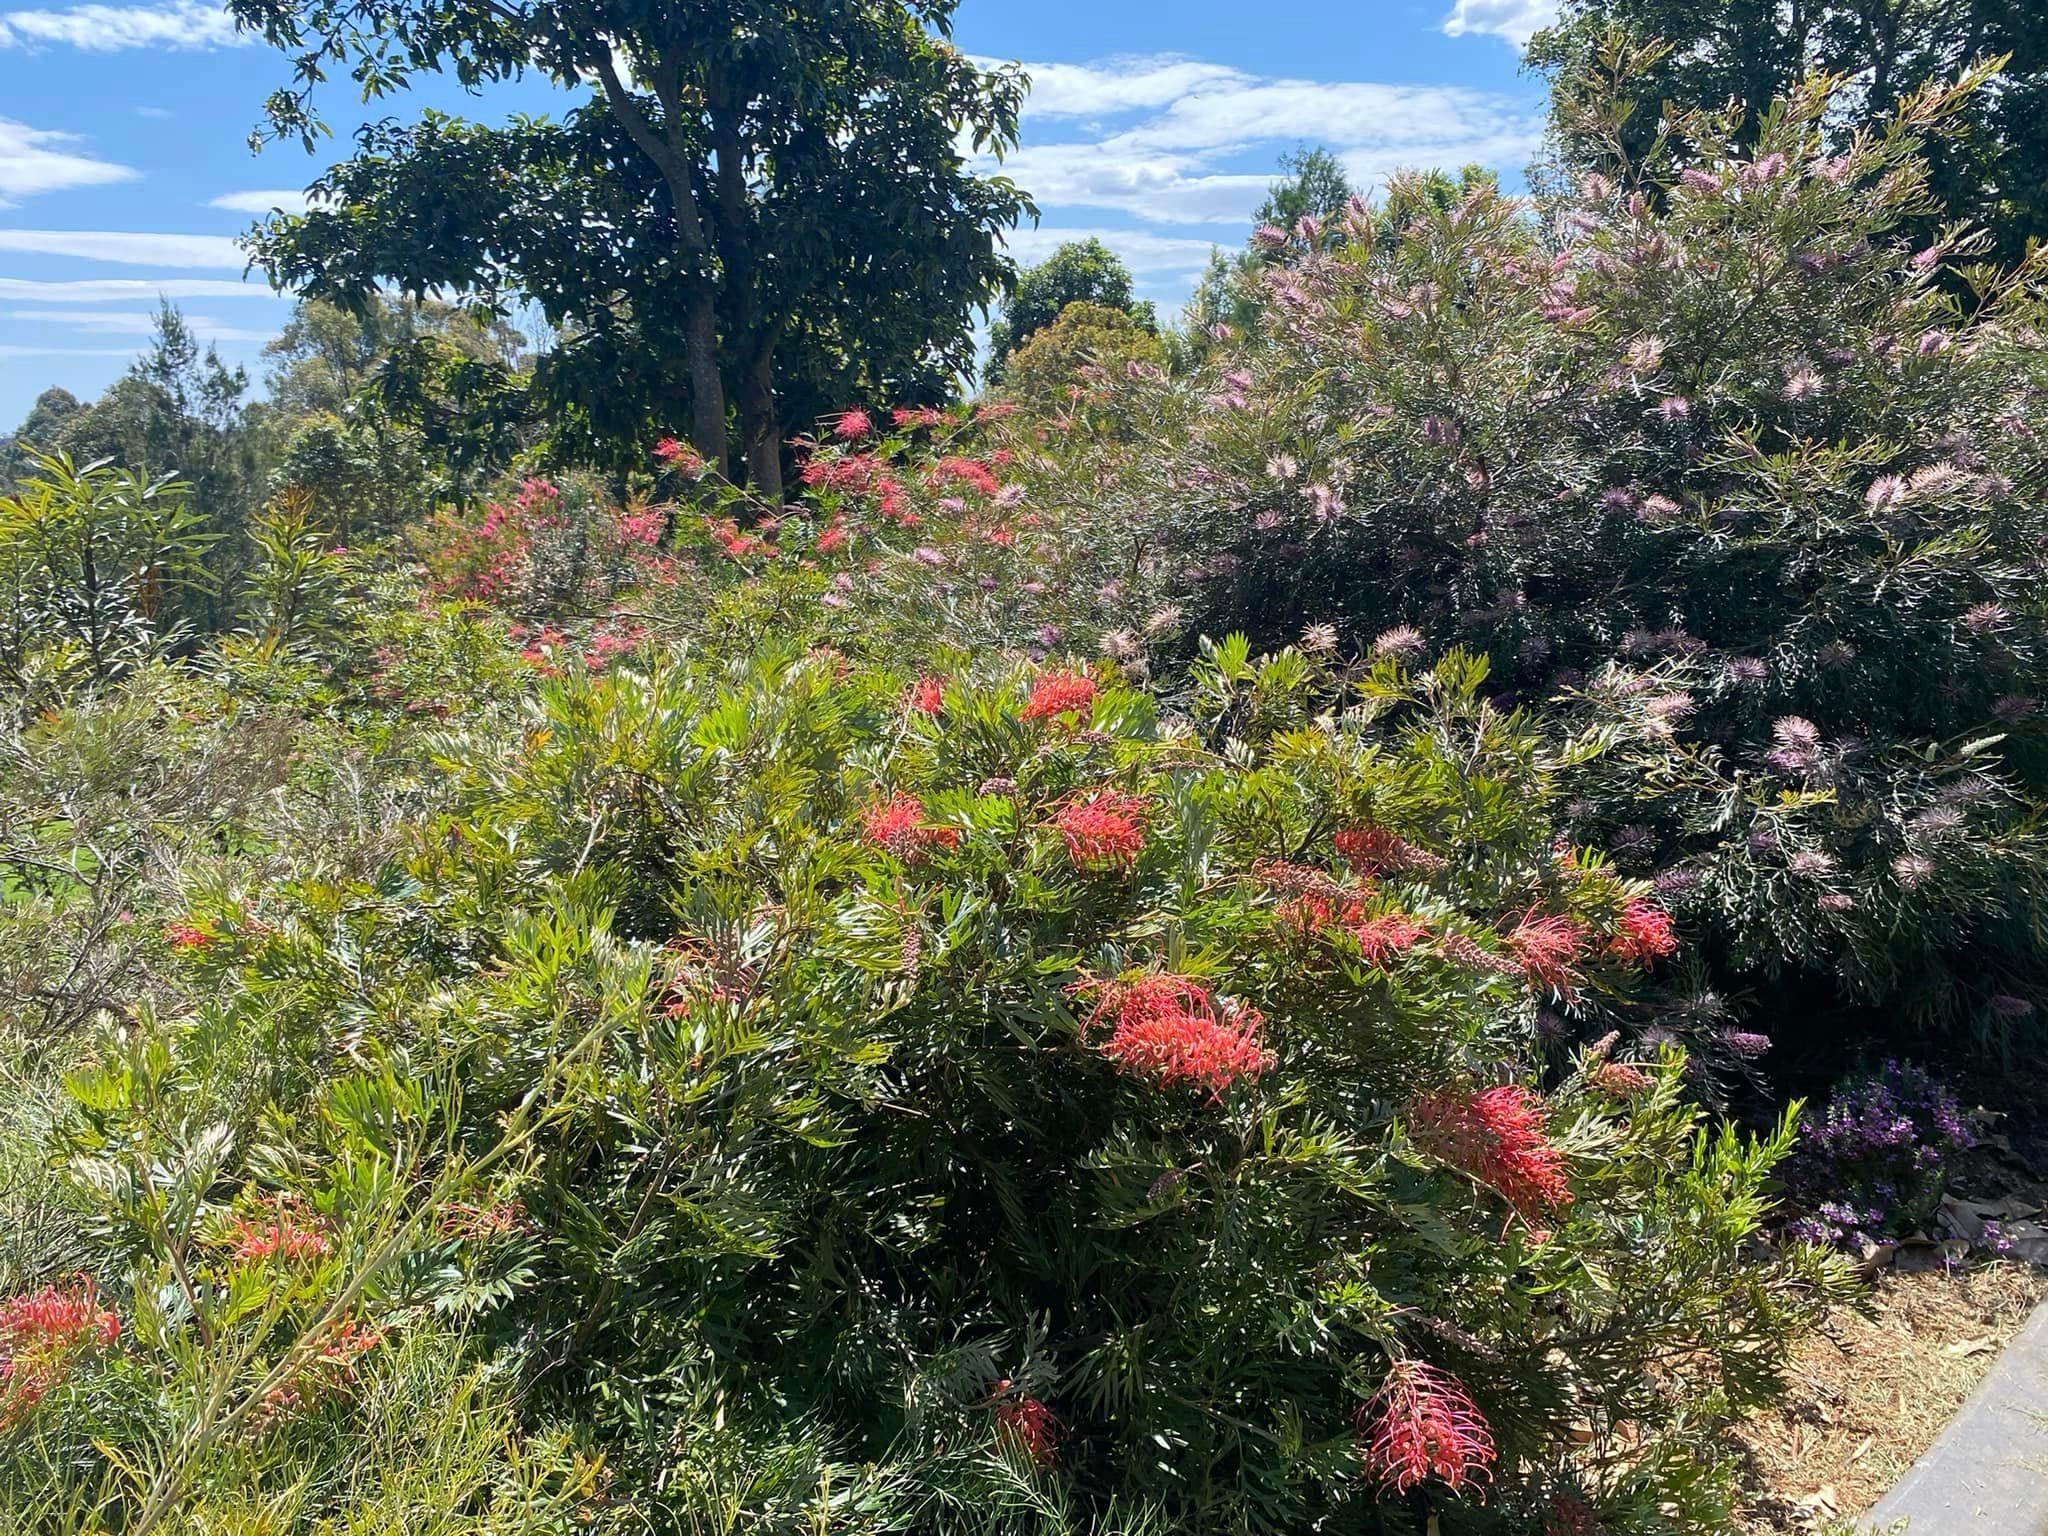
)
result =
(1874, 1164)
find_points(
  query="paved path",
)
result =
(1988, 1473)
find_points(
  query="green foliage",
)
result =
(1990, 166)
(1050, 371)
(804, 230)
(95, 562)
(1315, 187)
(1079, 272)
(651, 1141)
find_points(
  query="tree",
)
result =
(1992, 169)
(1315, 187)
(1047, 371)
(376, 416)
(325, 355)
(1079, 272)
(753, 185)
(38, 433)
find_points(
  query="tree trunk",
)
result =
(707, 387)
(761, 426)
(666, 148)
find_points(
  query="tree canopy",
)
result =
(1991, 167)
(1079, 272)
(763, 206)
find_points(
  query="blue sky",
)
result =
(125, 170)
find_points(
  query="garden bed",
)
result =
(1872, 1392)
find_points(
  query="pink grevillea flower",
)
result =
(1619, 1080)
(1106, 832)
(927, 696)
(851, 426)
(42, 1333)
(1496, 1137)
(919, 416)
(679, 456)
(1027, 1425)
(1546, 948)
(899, 825)
(968, 472)
(1645, 935)
(1376, 851)
(1171, 1029)
(1422, 1424)
(185, 935)
(1059, 693)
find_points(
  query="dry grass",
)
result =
(1866, 1401)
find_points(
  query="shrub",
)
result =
(786, 1069)
(1055, 367)
(1874, 1163)
(1707, 456)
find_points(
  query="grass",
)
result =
(1871, 1393)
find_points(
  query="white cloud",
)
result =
(1118, 85)
(260, 202)
(1146, 254)
(1166, 139)
(130, 290)
(32, 161)
(1515, 20)
(136, 323)
(136, 250)
(185, 24)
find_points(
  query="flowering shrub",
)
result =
(549, 549)
(956, 1104)
(41, 1337)
(1703, 457)
(1873, 1164)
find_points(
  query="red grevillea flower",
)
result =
(1498, 1138)
(1646, 934)
(927, 696)
(1546, 948)
(679, 456)
(1028, 1425)
(852, 426)
(1173, 1030)
(281, 1234)
(1381, 938)
(898, 824)
(1308, 916)
(41, 1334)
(832, 540)
(1376, 851)
(1106, 832)
(1059, 693)
(183, 935)
(1422, 1423)
(921, 416)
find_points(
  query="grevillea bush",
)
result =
(1706, 455)
(777, 1092)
